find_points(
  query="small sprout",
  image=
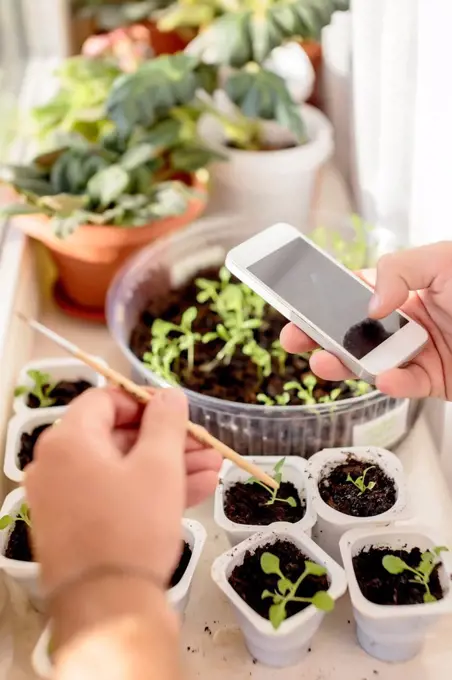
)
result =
(277, 476)
(280, 355)
(280, 399)
(360, 482)
(332, 396)
(41, 389)
(260, 357)
(305, 392)
(23, 515)
(188, 337)
(358, 387)
(287, 591)
(422, 573)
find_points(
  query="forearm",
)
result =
(117, 629)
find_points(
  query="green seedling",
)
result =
(232, 337)
(360, 482)
(165, 347)
(280, 399)
(358, 387)
(162, 357)
(305, 392)
(260, 357)
(277, 476)
(422, 573)
(23, 516)
(332, 396)
(41, 389)
(287, 591)
(209, 289)
(280, 355)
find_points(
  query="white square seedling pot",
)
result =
(26, 574)
(24, 422)
(195, 535)
(58, 369)
(287, 645)
(332, 524)
(394, 633)
(294, 470)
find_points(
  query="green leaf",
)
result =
(315, 569)
(270, 564)
(227, 41)
(63, 227)
(20, 390)
(292, 502)
(190, 158)
(439, 549)
(279, 465)
(267, 594)
(136, 156)
(189, 316)
(209, 337)
(108, 185)
(6, 521)
(18, 209)
(277, 614)
(284, 585)
(428, 597)
(393, 564)
(323, 601)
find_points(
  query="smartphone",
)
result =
(325, 300)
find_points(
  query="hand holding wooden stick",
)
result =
(144, 395)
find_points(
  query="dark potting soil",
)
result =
(64, 392)
(247, 504)
(380, 587)
(249, 581)
(239, 381)
(344, 496)
(265, 147)
(18, 546)
(182, 566)
(27, 445)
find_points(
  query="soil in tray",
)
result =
(344, 496)
(182, 566)
(63, 393)
(239, 381)
(249, 581)
(381, 587)
(18, 546)
(27, 445)
(247, 504)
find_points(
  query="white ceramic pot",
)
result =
(287, 645)
(394, 633)
(195, 535)
(331, 524)
(59, 369)
(24, 422)
(294, 470)
(270, 186)
(26, 574)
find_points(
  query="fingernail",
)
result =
(374, 304)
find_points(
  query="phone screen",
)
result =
(326, 296)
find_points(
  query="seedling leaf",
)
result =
(323, 601)
(292, 502)
(6, 521)
(393, 564)
(277, 614)
(267, 594)
(315, 569)
(284, 585)
(428, 597)
(270, 564)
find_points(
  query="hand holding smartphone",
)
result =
(325, 300)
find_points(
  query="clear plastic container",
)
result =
(250, 429)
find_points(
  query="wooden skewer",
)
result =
(144, 395)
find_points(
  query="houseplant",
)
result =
(156, 278)
(395, 607)
(278, 630)
(355, 487)
(93, 204)
(243, 507)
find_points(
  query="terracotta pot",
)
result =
(168, 42)
(88, 259)
(314, 51)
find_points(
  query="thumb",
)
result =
(163, 429)
(409, 270)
